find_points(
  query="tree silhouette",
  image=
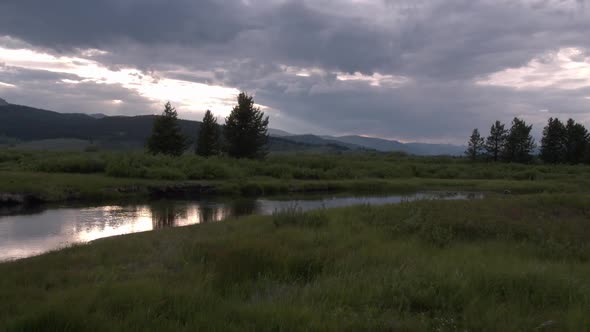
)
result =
(553, 147)
(246, 129)
(519, 142)
(475, 145)
(167, 137)
(208, 141)
(576, 142)
(496, 141)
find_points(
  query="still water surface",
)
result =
(33, 232)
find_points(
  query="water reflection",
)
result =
(166, 214)
(32, 232)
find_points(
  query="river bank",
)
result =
(37, 188)
(42, 176)
(27, 231)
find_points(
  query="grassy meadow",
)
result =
(505, 263)
(57, 176)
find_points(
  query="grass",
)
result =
(56, 176)
(499, 264)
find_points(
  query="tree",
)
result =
(246, 129)
(496, 141)
(576, 142)
(519, 142)
(475, 146)
(208, 141)
(167, 137)
(553, 147)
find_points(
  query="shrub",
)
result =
(70, 164)
(279, 171)
(209, 170)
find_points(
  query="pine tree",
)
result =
(576, 142)
(167, 137)
(553, 148)
(208, 141)
(496, 141)
(246, 129)
(475, 146)
(519, 142)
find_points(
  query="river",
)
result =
(29, 232)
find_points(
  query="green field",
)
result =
(498, 264)
(57, 176)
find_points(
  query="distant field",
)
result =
(59, 144)
(54, 175)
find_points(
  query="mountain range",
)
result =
(27, 126)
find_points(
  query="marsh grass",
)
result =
(497, 264)
(283, 167)
(293, 215)
(54, 176)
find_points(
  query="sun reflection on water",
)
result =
(41, 230)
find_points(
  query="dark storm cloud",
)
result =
(441, 47)
(65, 24)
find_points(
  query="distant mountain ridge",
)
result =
(385, 145)
(32, 127)
(354, 142)
(26, 124)
(278, 133)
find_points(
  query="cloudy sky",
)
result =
(413, 70)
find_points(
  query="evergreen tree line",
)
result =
(561, 143)
(244, 134)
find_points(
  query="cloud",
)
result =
(409, 69)
(77, 72)
(567, 68)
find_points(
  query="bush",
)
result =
(279, 171)
(208, 170)
(70, 164)
(307, 174)
(135, 165)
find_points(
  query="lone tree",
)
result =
(553, 147)
(519, 142)
(496, 141)
(246, 129)
(167, 137)
(576, 142)
(208, 141)
(475, 146)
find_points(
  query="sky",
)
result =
(411, 70)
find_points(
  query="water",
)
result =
(29, 232)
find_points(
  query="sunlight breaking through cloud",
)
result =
(568, 68)
(190, 96)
